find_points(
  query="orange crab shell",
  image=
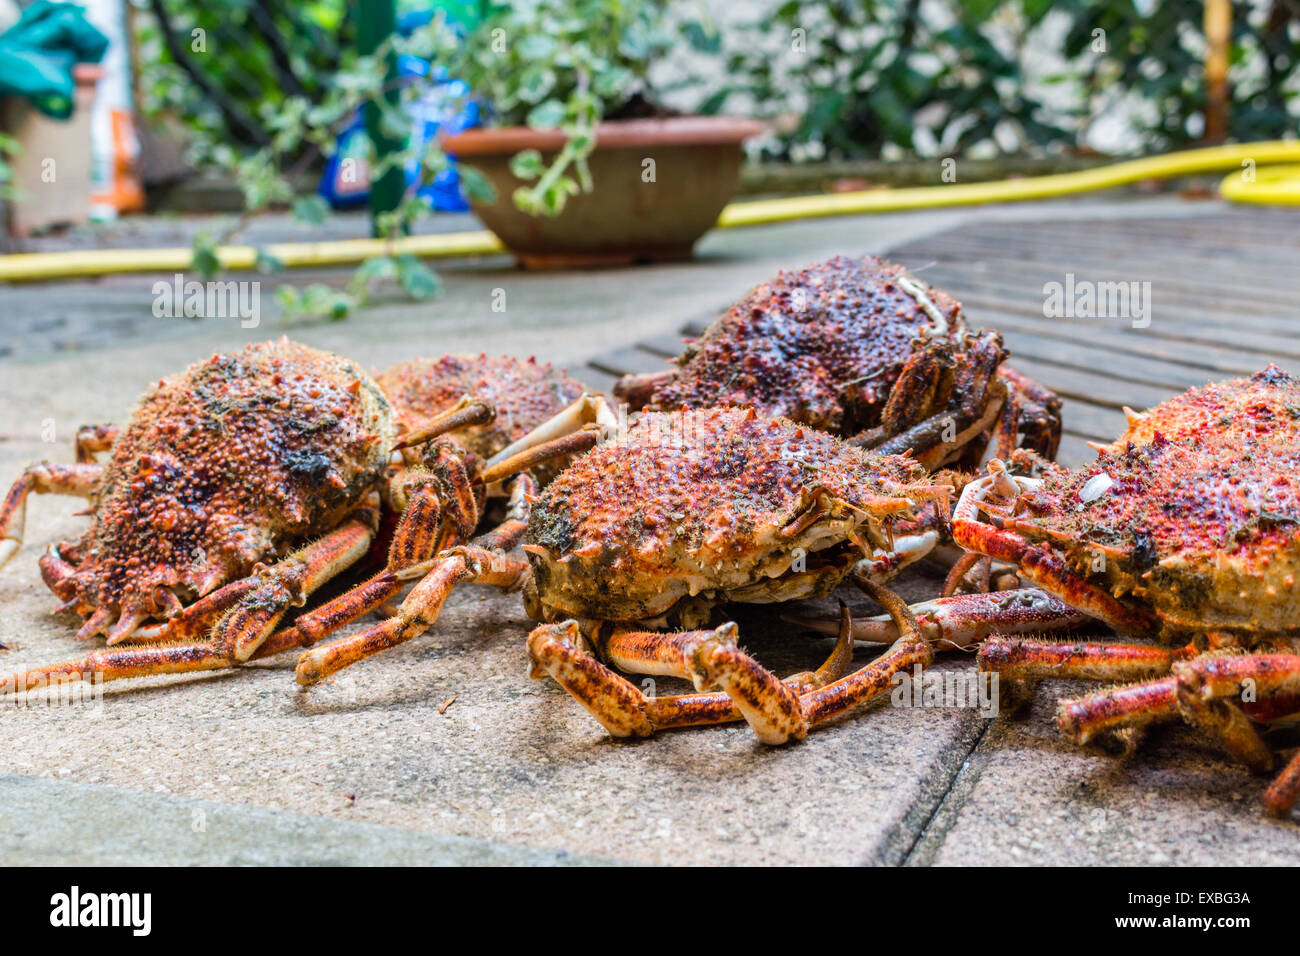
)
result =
(1196, 511)
(711, 500)
(820, 345)
(524, 393)
(1264, 408)
(219, 467)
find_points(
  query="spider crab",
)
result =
(1186, 528)
(862, 349)
(199, 517)
(697, 508)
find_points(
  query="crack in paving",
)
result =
(922, 848)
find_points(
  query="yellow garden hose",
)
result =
(1277, 183)
(1274, 185)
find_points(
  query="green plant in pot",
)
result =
(585, 167)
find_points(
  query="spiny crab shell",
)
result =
(821, 345)
(1195, 510)
(715, 502)
(219, 468)
(525, 393)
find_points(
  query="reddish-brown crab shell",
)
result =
(1193, 516)
(204, 484)
(857, 347)
(716, 502)
(524, 393)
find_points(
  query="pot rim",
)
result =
(613, 134)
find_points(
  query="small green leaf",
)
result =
(373, 270)
(205, 261)
(527, 164)
(416, 278)
(267, 263)
(477, 186)
(548, 115)
(313, 210)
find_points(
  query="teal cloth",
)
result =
(38, 52)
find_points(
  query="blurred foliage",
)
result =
(1158, 54)
(549, 64)
(944, 76)
(859, 75)
(222, 66)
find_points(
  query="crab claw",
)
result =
(699, 656)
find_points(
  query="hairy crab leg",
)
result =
(467, 412)
(1040, 565)
(454, 562)
(460, 564)
(961, 567)
(1284, 791)
(236, 635)
(966, 619)
(586, 410)
(637, 390)
(869, 682)
(937, 400)
(80, 480)
(1027, 659)
(777, 711)
(1209, 692)
(418, 612)
(558, 651)
(92, 439)
(1032, 410)
(1134, 705)
(320, 623)
(195, 623)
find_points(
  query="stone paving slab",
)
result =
(57, 823)
(515, 762)
(1027, 795)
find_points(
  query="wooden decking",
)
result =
(1224, 288)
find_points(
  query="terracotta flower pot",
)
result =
(637, 211)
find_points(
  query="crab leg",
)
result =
(1021, 659)
(869, 682)
(320, 623)
(962, 566)
(1031, 410)
(418, 612)
(236, 635)
(452, 566)
(637, 390)
(467, 412)
(1207, 693)
(966, 619)
(1040, 565)
(92, 439)
(587, 410)
(776, 710)
(973, 397)
(624, 710)
(1284, 791)
(80, 480)
(195, 623)
(563, 447)
(1135, 705)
